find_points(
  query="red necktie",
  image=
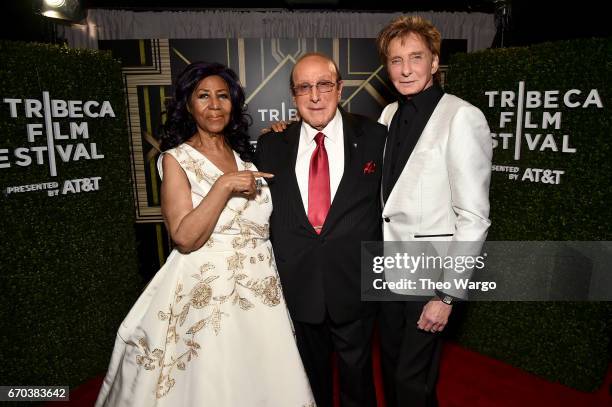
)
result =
(319, 195)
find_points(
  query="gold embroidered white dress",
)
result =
(211, 329)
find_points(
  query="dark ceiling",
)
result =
(380, 5)
(530, 22)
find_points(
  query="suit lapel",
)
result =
(391, 139)
(432, 132)
(353, 156)
(292, 138)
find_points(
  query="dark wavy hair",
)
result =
(180, 126)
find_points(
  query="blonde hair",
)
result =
(401, 27)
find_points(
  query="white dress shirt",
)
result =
(334, 145)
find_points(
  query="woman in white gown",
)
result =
(211, 328)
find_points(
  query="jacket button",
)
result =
(387, 220)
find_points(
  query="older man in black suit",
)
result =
(326, 201)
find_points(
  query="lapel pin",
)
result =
(369, 167)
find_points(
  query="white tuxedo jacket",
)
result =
(444, 187)
(442, 194)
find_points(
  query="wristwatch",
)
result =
(447, 299)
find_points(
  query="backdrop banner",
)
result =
(69, 268)
(548, 107)
(263, 67)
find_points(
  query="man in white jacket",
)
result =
(435, 187)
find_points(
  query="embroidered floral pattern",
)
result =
(234, 263)
(271, 291)
(192, 165)
(201, 297)
(210, 242)
(215, 290)
(250, 233)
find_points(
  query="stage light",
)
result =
(55, 3)
(62, 9)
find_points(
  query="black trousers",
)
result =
(410, 357)
(352, 343)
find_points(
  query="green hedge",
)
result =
(565, 342)
(69, 271)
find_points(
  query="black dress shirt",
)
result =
(406, 127)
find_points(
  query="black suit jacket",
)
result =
(322, 272)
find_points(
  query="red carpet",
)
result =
(467, 379)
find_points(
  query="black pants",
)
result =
(352, 343)
(410, 357)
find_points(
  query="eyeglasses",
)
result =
(306, 88)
